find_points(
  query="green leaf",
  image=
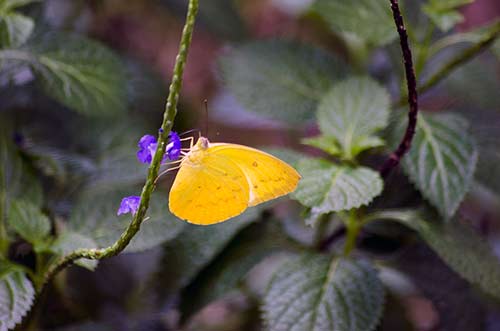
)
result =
(369, 20)
(16, 179)
(327, 187)
(82, 74)
(6, 5)
(352, 111)
(322, 293)
(325, 143)
(442, 159)
(16, 295)
(69, 241)
(29, 222)
(281, 80)
(15, 29)
(95, 217)
(248, 248)
(185, 256)
(444, 13)
(460, 247)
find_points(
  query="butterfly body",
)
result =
(217, 181)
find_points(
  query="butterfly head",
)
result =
(202, 143)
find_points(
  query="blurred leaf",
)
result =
(457, 304)
(16, 179)
(221, 17)
(444, 13)
(352, 111)
(218, 16)
(369, 20)
(461, 248)
(29, 222)
(16, 295)
(327, 187)
(94, 216)
(15, 29)
(318, 292)
(195, 247)
(281, 80)
(442, 159)
(82, 74)
(245, 250)
(69, 241)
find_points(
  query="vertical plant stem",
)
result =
(149, 186)
(353, 226)
(405, 144)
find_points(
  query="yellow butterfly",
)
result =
(217, 181)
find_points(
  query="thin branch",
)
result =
(405, 143)
(467, 54)
(463, 57)
(149, 186)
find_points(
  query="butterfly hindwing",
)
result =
(268, 177)
(208, 192)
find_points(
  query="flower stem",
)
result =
(149, 186)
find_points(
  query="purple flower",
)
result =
(147, 148)
(148, 144)
(173, 150)
(129, 205)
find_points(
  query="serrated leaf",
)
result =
(322, 293)
(15, 29)
(69, 241)
(245, 250)
(94, 216)
(442, 159)
(16, 297)
(28, 221)
(281, 80)
(327, 187)
(352, 111)
(369, 20)
(82, 74)
(195, 248)
(461, 248)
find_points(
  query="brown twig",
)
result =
(405, 144)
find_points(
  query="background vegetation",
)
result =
(320, 84)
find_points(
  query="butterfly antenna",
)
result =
(205, 102)
(188, 131)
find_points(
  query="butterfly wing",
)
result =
(209, 191)
(268, 177)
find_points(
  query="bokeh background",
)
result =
(133, 291)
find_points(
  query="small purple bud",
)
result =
(160, 130)
(147, 148)
(173, 150)
(129, 205)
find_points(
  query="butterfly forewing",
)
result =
(268, 177)
(209, 191)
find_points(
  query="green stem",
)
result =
(458, 60)
(353, 226)
(149, 186)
